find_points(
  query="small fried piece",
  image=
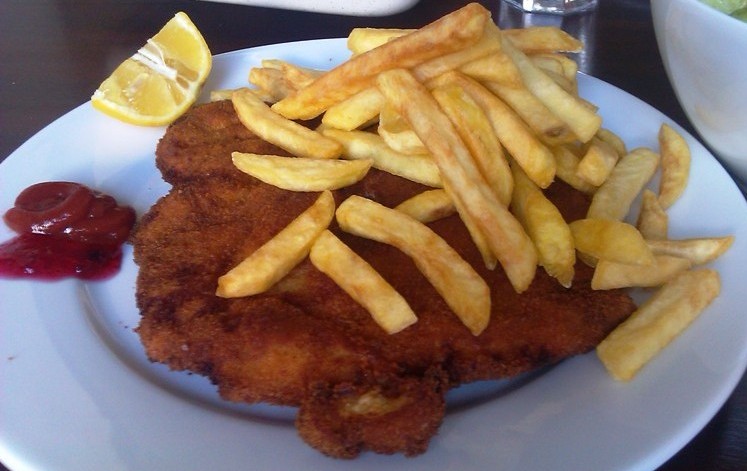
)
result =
(566, 162)
(288, 135)
(657, 322)
(301, 174)
(295, 75)
(397, 133)
(559, 63)
(271, 82)
(428, 206)
(456, 281)
(598, 161)
(614, 140)
(362, 40)
(699, 250)
(631, 174)
(355, 112)
(612, 240)
(278, 79)
(546, 227)
(675, 165)
(362, 282)
(653, 220)
(613, 275)
(277, 257)
(496, 68)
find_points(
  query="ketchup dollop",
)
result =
(65, 230)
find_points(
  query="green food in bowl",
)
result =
(740, 14)
(735, 8)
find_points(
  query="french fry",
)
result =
(653, 221)
(301, 174)
(559, 68)
(569, 86)
(362, 145)
(546, 126)
(362, 108)
(488, 44)
(614, 198)
(362, 40)
(531, 40)
(533, 156)
(657, 322)
(612, 240)
(226, 93)
(271, 82)
(613, 275)
(598, 161)
(279, 79)
(566, 162)
(462, 179)
(297, 76)
(355, 112)
(462, 288)
(449, 98)
(699, 250)
(612, 139)
(450, 33)
(277, 257)
(479, 237)
(397, 133)
(543, 39)
(675, 165)
(477, 133)
(496, 67)
(428, 206)
(559, 63)
(546, 227)
(288, 135)
(547, 63)
(580, 119)
(362, 283)
(499, 74)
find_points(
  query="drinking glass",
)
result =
(557, 7)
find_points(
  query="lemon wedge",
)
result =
(161, 80)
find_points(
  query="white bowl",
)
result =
(705, 55)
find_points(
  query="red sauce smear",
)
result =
(65, 230)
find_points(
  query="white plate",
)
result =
(338, 7)
(78, 393)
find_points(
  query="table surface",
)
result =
(55, 53)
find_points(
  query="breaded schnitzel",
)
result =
(305, 342)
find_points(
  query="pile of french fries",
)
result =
(487, 119)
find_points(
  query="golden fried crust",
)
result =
(190, 148)
(305, 342)
(399, 415)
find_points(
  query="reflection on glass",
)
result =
(581, 27)
(558, 7)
